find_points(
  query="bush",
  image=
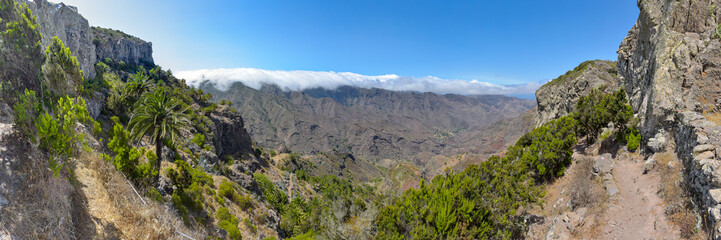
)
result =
(26, 111)
(272, 195)
(189, 184)
(199, 139)
(229, 190)
(547, 149)
(250, 225)
(153, 194)
(229, 223)
(597, 109)
(127, 157)
(633, 139)
(57, 131)
(61, 71)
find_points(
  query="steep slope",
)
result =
(372, 123)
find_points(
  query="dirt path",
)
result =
(99, 202)
(636, 212)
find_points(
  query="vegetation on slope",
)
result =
(483, 201)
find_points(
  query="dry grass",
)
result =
(680, 210)
(713, 117)
(118, 204)
(41, 206)
(586, 191)
(585, 188)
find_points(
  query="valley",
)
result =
(98, 141)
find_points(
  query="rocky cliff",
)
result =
(120, 46)
(231, 138)
(88, 45)
(559, 96)
(669, 64)
(72, 28)
(670, 61)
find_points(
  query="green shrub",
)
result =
(127, 157)
(230, 190)
(61, 71)
(199, 139)
(547, 149)
(189, 183)
(301, 217)
(273, 153)
(153, 194)
(250, 225)
(229, 223)
(310, 235)
(57, 131)
(597, 109)
(633, 139)
(272, 195)
(26, 111)
(219, 199)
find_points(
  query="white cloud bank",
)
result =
(301, 80)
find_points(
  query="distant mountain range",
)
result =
(379, 125)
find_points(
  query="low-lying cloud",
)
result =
(301, 80)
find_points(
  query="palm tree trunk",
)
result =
(159, 154)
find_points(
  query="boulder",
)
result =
(603, 164)
(658, 142)
(649, 164)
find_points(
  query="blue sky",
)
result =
(501, 42)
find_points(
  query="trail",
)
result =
(636, 212)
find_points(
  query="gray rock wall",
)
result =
(72, 28)
(119, 46)
(698, 145)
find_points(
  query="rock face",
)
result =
(72, 28)
(559, 96)
(670, 61)
(119, 46)
(231, 138)
(698, 142)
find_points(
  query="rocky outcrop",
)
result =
(230, 136)
(559, 96)
(119, 46)
(670, 61)
(69, 26)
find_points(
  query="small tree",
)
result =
(161, 118)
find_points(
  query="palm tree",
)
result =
(139, 83)
(161, 118)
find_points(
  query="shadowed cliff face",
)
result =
(374, 123)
